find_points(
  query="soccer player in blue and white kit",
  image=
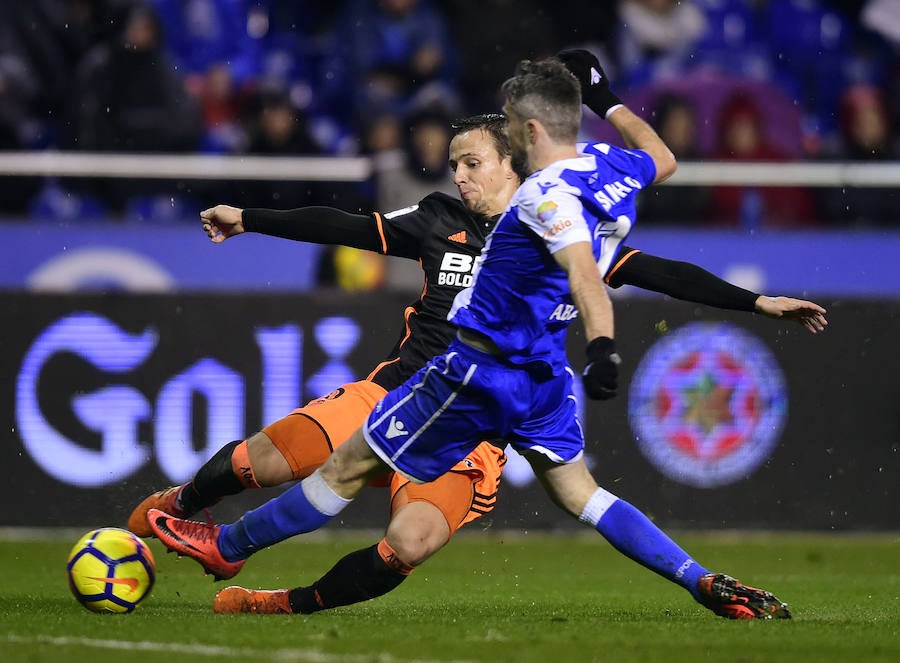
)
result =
(506, 375)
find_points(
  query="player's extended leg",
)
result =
(433, 403)
(630, 532)
(291, 448)
(424, 517)
(305, 507)
(417, 531)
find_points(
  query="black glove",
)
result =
(601, 375)
(595, 92)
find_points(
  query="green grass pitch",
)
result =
(486, 597)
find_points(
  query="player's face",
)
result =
(485, 181)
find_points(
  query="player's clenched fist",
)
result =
(221, 222)
(595, 92)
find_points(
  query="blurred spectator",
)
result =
(866, 136)
(383, 52)
(741, 137)
(223, 106)
(55, 204)
(865, 125)
(410, 163)
(675, 120)
(202, 33)
(127, 97)
(383, 133)
(19, 90)
(382, 139)
(708, 90)
(407, 175)
(280, 129)
(656, 37)
(882, 17)
(518, 30)
(288, 32)
(292, 37)
(732, 41)
(809, 43)
(41, 43)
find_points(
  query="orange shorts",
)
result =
(308, 435)
(465, 493)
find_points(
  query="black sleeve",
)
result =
(319, 225)
(406, 230)
(682, 280)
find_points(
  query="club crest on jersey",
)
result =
(547, 210)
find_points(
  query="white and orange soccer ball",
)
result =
(110, 570)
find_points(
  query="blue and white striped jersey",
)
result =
(520, 295)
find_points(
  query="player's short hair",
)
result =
(492, 124)
(547, 92)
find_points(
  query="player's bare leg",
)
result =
(351, 467)
(416, 532)
(269, 466)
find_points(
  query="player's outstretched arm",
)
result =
(688, 282)
(319, 225)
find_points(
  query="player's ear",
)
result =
(508, 172)
(532, 127)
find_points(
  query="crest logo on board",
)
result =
(707, 404)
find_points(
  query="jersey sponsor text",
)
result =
(456, 270)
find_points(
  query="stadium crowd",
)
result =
(765, 80)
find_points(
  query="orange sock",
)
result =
(243, 469)
(389, 555)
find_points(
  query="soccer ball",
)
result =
(110, 570)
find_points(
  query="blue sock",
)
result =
(300, 509)
(634, 535)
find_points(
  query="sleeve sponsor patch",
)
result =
(547, 210)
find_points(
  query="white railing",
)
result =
(185, 166)
(356, 169)
(832, 174)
